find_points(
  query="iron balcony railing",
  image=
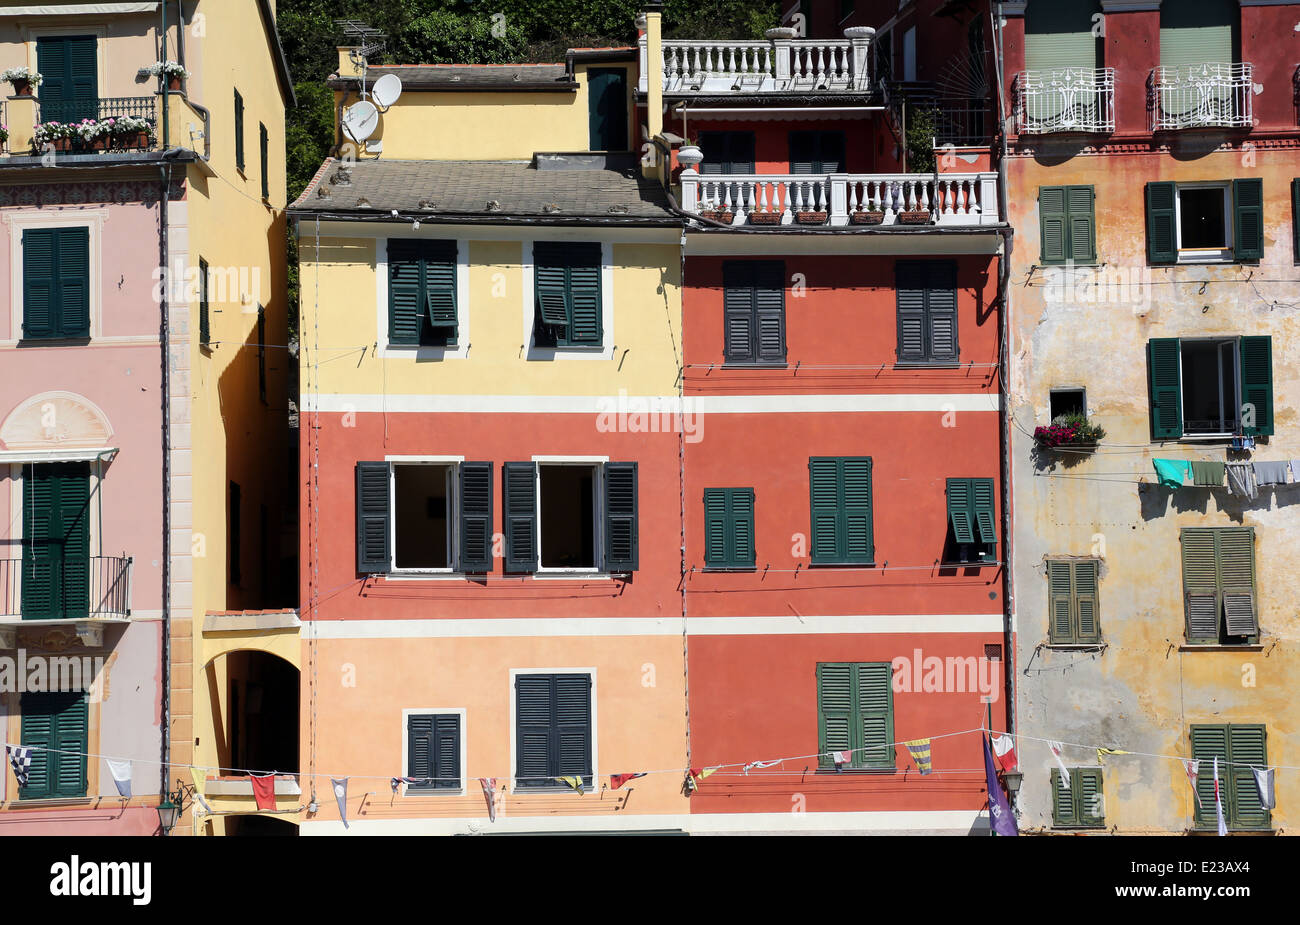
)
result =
(1201, 96)
(95, 587)
(101, 110)
(1072, 99)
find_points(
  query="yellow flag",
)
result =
(574, 782)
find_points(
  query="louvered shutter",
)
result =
(420, 751)
(373, 518)
(38, 734)
(1062, 801)
(856, 525)
(1248, 219)
(1200, 585)
(1162, 232)
(741, 527)
(716, 525)
(832, 154)
(1257, 382)
(1060, 602)
(1088, 627)
(40, 286)
(803, 152)
(405, 309)
(621, 546)
(1247, 749)
(982, 508)
(1208, 743)
(823, 480)
(57, 721)
(876, 715)
(40, 560)
(1082, 218)
(584, 295)
(205, 321)
(1236, 563)
(573, 726)
(740, 337)
(74, 539)
(552, 298)
(73, 260)
(83, 76)
(910, 298)
(1089, 806)
(941, 311)
(1052, 223)
(740, 152)
(534, 717)
(69, 91)
(475, 497)
(446, 751)
(519, 511)
(836, 711)
(56, 541)
(769, 311)
(959, 510)
(439, 266)
(1164, 378)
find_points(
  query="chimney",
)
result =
(346, 67)
(654, 10)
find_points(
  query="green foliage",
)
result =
(921, 125)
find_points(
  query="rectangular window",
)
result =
(57, 725)
(1239, 747)
(235, 552)
(729, 528)
(972, 521)
(424, 516)
(1210, 387)
(1062, 402)
(433, 751)
(570, 516)
(727, 153)
(68, 65)
(261, 353)
(553, 731)
(1205, 222)
(1080, 805)
(1072, 605)
(56, 283)
(56, 541)
(239, 131)
(840, 490)
(421, 293)
(1068, 224)
(567, 293)
(205, 310)
(1219, 585)
(926, 296)
(817, 152)
(753, 306)
(855, 713)
(265, 145)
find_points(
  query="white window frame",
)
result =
(18, 222)
(514, 729)
(407, 713)
(1182, 391)
(597, 464)
(606, 349)
(458, 351)
(453, 520)
(1209, 254)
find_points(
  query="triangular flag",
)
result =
(200, 778)
(1264, 781)
(1004, 748)
(920, 749)
(1218, 799)
(618, 780)
(489, 785)
(695, 775)
(573, 781)
(20, 757)
(263, 789)
(1192, 766)
(707, 771)
(340, 786)
(121, 771)
(1065, 772)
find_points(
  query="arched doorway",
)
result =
(254, 702)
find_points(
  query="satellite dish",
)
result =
(386, 90)
(361, 120)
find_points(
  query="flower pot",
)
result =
(866, 218)
(22, 87)
(765, 218)
(98, 143)
(726, 217)
(135, 140)
(62, 144)
(810, 218)
(914, 218)
(174, 82)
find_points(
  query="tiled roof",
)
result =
(567, 189)
(468, 77)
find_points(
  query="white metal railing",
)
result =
(1072, 99)
(1201, 96)
(781, 62)
(877, 199)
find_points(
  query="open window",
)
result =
(972, 522)
(1210, 387)
(566, 508)
(1067, 401)
(422, 495)
(1209, 222)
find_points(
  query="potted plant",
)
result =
(1071, 431)
(864, 217)
(765, 218)
(23, 80)
(131, 132)
(53, 134)
(90, 134)
(171, 71)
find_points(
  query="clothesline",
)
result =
(1243, 478)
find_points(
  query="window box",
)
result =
(915, 217)
(765, 218)
(866, 218)
(718, 215)
(1069, 431)
(811, 218)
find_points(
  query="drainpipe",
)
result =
(164, 335)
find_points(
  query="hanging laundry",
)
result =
(1207, 473)
(1065, 772)
(618, 780)
(20, 756)
(1172, 473)
(1295, 470)
(1264, 781)
(761, 764)
(1192, 767)
(263, 789)
(1004, 747)
(1241, 480)
(489, 785)
(121, 771)
(1218, 799)
(920, 749)
(1271, 473)
(200, 778)
(574, 782)
(842, 757)
(340, 786)
(1002, 820)
(1102, 752)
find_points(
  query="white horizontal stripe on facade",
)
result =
(938, 402)
(952, 822)
(514, 627)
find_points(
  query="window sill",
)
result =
(1232, 830)
(739, 364)
(832, 772)
(927, 364)
(571, 574)
(1077, 646)
(978, 563)
(54, 342)
(53, 802)
(410, 792)
(1220, 647)
(866, 564)
(205, 349)
(729, 568)
(1079, 828)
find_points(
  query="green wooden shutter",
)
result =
(475, 498)
(1062, 801)
(740, 339)
(1257, 382)
(552, 299)
(519, 511)
(1236, 579)
(69, 67)
(568, 292)
(73, 259)
(1087, 622)
(446, 751)
(74, 537)
(57, 722)
(438, 263)
(205, 320)
(1060, 602)
(959, 510)
(1248, 219)
(716, 526)
(40, 285)
(982, 510)
(1162, 231)
(534, 716)
(373, 518)
(941, 312)
(1247, 749)
(1053, 224)
(856, 524)
(572, 735)
(265, 143)
(1201, 584)
(1088, 798)
(239, 130)
(1204, 32)
(1209, 742)
(741, 527)
(824, 488)
(1164, 378)
(875, 702)
(836, 710)
(621, 546)
(1059, 35)
(910, 297)
(769, 311)
(56, 541)
(405, 309)
(1080, 201)
(607, 106)
(841, 510)
(585, 323)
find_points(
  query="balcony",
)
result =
(58, 592)
(781, 64)
(1201, 96)
(1072, 99)
(105, 125)
(834, 200)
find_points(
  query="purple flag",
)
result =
(1000, 817)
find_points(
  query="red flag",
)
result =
(264, 789)
(618, 780)
(1004, 748)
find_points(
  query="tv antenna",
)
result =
(368, 39)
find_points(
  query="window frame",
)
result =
(241, 160)
(596, 464)
(451, 463)
(1205, 255)
(432, 791)
(22, 793)
(1219, 343)
(731, 564)
(1221, 634)
(1206, 770)
(1082, 392)
(457, 351)
(1076, 790)
(602, 351)
(841, 513)
(974, 546)
(859, 763)
(93, 220)
(1075, 639)
(593, 726)
(753, 359)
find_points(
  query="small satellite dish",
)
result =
(361, 120)
(386, 90)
